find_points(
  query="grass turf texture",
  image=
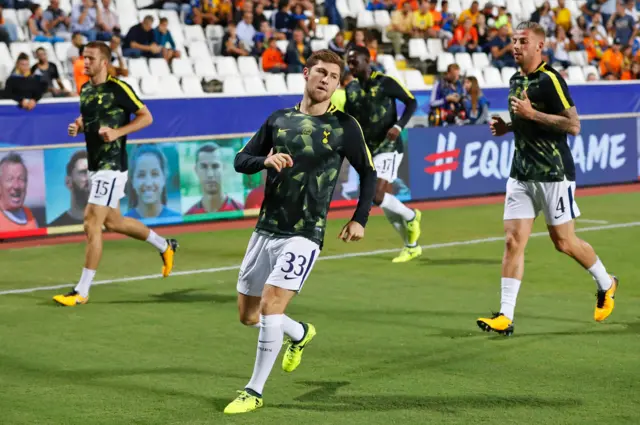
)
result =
(397, 343)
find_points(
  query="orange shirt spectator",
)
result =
(592, 49)
(459, 36)
(78, 73)
(611, 62)
(413, 3)
(272, 59)
(437, 17)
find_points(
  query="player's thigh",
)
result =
(387, 165)
(256, 266)
(558, 202)
(107, 188)
(519, 201)
(295, 257)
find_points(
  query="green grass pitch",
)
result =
(396, 344)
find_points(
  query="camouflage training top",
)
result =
(541, 154)
(373, 104)
(107, 105)
(297, 198)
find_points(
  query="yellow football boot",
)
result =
(168, 257)
(497, 323)
(244, 403)
(70, 299)
(604, 305)
(413, 228)
(293, 355)
(407, 254)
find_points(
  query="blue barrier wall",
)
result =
(214, 116)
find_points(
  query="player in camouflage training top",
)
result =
(106, 106)
(542, 175)
(371, 99)
(302, 149)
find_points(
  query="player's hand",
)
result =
(73, 129)
(498, 126)
(393, 134)
(278, 161)
(352, 231)
(108, 134)
(522, 107)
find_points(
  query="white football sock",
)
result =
(158, 241)
(86, 279)
(270, 341)
(510, 288)
(600, 275)
(398, 223)
(393, 204)
(294, 329)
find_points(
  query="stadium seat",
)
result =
(159, 67)
(23, 16)
(138, 68)
(22, 47)
(5, 56)
(170, 86)
(275, 84)
(133, 82)
(455, 7)
(182, 67)
(127, 20)
(193, 33)
(253, 85)
(578, 58)
(381, 18)
(143, 3)
(227, 66)
(61, 50)
(150, 86)
(575, 74)
(204, 68)
(388, 62)
(233, 86)
(590, 69)
(319, 45)
(215, 32)
(172, 16)
(365, 19)
(475, 72)
(418, 49)
(343, 9)
(434, 47)
(191, 86)
(295, 83)
(355, 7)
(414, 80)
(199, 50)
(480, 60)
(507, 72)
(282, 45)
(247, 66)
(514, 7)
(330, 32)
(464, 61)
(444, 60)
(492, 77)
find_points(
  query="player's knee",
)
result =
(378, 198)
(249, 319)
(513, 242)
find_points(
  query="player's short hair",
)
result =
(206, 148)
(12, 158)
(362, 51)
(534, 27)
(324, 55)
(105, 51)
(81, 154)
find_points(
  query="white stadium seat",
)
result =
(295, 83)
(492, 77)
(193, 33)
(382, 18)
(191, 86)
(365, 19)
(475, 72)
(444, 60)
(418, 49)
(415, 80)
(204, 68)
(590, 69)
(507, 72)
(253, 85)
(275, 84)
(575, 74)
(139, 68)
(319, 45)
(133, 82)
(182, 67)
(159, 67)
(248, 66)
(150, 85)
(227, 66)
(200, 50)
(233, 85)
(170, 86)
(480, 60)
(464, 61)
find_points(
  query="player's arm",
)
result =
(131, 103)
(358, 155)
(563, 116)
(397, 91)
(252, 157)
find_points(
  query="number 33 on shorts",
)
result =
(294, 264)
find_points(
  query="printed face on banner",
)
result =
(67, 175)
(22, 190)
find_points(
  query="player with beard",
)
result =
(309, 142)
(106, 106)
(209, 171)
(77, 181)
(542, 176)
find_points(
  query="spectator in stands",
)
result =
(465, 38)
(591, 8)
(110, 21)
(258, 45)
(633, 73)
(14, 175)
(22, 86)
(559, 47)
(592, 77)
(163, 37)
(141, 41)
(414, 4)
(447, 94)
(302, 21)
(502, 49)
(118, 66)
(332, 13)
(258, 16)
(47, 73)
(578, 32)
(205, 12)
(423, 22)
(611, 62)
(502, 19)
(487, 12)
(603, 36)
(73, 52)
(298, 51)
(337, 45)
(358, 38)
(38, 27)
(471, 13)
(231, 45)
(632, 8)
(272, 60)
(592, 46)
(282, 21)
(448, 19)
(245, 30)
(563, 15)
(544, 16)
(622, 25)
(8, 29)
(177, 6)
(607, 9)
(85, 18)
(79, 76)
(267, 32)
(476, 106)
(401, 27)
(485, 35)
(59, 23)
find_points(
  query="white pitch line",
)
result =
(588, 220)
(329, 257)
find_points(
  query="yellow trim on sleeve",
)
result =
(403, 87)
(556, 84)
(366, 148)
(129, 92)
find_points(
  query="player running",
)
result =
(371, 99)
(106, 105)
(309, 143)
(542, 176)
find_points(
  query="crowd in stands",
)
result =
(281, 34)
